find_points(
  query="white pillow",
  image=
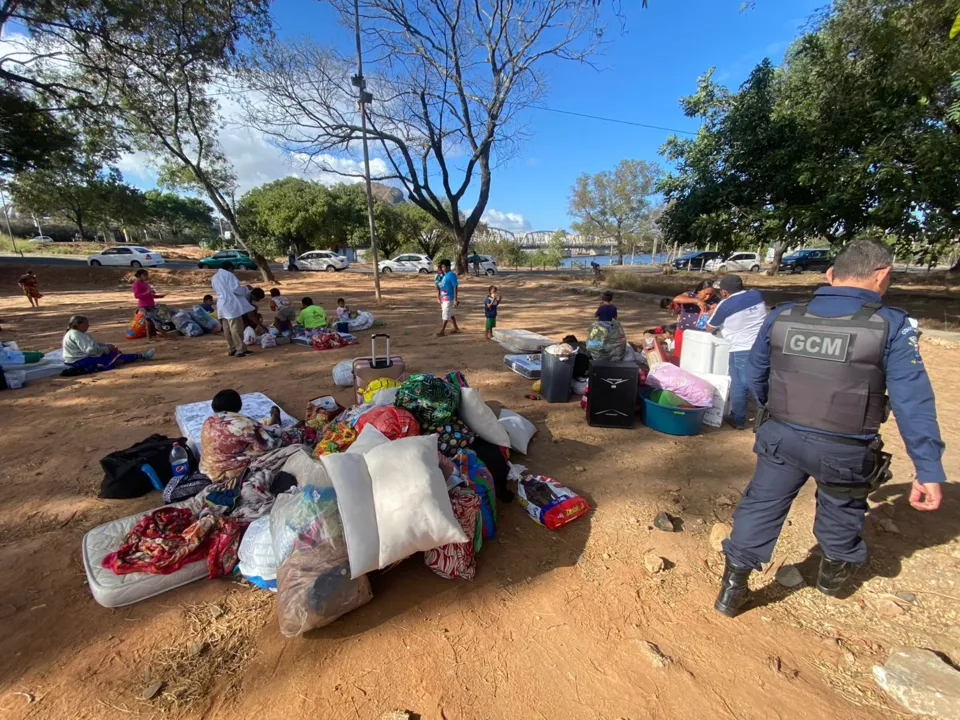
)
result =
(518, 428)
(481, 419)
(410, 496)
(367, 440)
(351, 480)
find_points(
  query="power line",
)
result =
(613, 120)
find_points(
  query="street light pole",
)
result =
(6, 217)
(364, 98)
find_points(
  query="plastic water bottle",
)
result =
(179, 462)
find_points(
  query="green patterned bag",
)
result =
(432, 400)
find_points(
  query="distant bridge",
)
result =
(536, 239)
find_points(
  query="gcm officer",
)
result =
(823, 373)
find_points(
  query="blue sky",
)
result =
(647, 69)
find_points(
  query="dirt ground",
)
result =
(556, 625)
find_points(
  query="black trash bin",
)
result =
(556, 375)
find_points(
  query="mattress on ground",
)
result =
(190, 418)
(47, 367)
(526, 365)
(522, 341)
(112, 590)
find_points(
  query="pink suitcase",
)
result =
(368, 369)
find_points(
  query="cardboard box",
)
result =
(721, 398)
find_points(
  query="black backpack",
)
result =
(123, 477)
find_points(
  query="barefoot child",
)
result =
(343, 312)
(28, 283)
(490, 306)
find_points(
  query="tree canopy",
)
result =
(852, 133)
(615, 204)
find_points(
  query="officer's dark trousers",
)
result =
(786, 459)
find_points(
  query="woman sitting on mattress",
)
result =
(231, 441)
(82, 352)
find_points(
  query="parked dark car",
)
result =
(697, 261)
(813, 259)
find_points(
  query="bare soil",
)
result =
(556, 625)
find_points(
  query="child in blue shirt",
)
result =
(490, 306)
(448, 295)
(607, 310)
(208, 305)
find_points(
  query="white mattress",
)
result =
(521, 341)
(190, 418)
(111, 590)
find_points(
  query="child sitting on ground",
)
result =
(311, 316)
(343, 312)
(607, 310)
(490, 306)
(208, 305)
(277, 301)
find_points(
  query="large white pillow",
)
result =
(518, 428)
(481, 419)
(410, 496)
(354, 489)
(367, 440)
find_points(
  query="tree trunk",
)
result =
(778, 250)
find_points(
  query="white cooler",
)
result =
(704, 352)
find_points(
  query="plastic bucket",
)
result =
(671, 420)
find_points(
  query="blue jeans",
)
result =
(107, 361)
(738, 387)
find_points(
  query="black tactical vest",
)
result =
(827, 373)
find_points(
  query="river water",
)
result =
(636, 259)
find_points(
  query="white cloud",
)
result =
(514, 222)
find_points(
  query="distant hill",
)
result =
(387, 193)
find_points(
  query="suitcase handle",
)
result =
(373, 349)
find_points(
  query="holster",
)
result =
(878, 476)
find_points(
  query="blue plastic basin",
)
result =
(671, 420)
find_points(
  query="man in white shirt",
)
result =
(232, 305)
(741, 314)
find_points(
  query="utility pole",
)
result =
(364, 97)
(6, 217)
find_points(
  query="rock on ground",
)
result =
(654, 564)
(718, 533)
(789, 576)
(920, 681)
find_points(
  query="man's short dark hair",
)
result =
(227, 265)
(606, 296)
(257, 293)
(307, 302)
(207, 297)
(862, 258)
(731, 284)
(444, 263)
(227, 401)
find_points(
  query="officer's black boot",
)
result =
(833, 574)
(733, 590)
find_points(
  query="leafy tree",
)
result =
(177, 216)
(556, 250)
(614, 204)
(451, 78)
(158, 72)
(422, 231)
(30, 138)
(286, 212)
(852, 133)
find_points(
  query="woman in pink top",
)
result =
(147, 298)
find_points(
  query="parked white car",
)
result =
(488, 266)
(322, 260)
(127, 256)
(739, 262)
(42, 239)
(409, 262)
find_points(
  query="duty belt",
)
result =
(871, 483)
